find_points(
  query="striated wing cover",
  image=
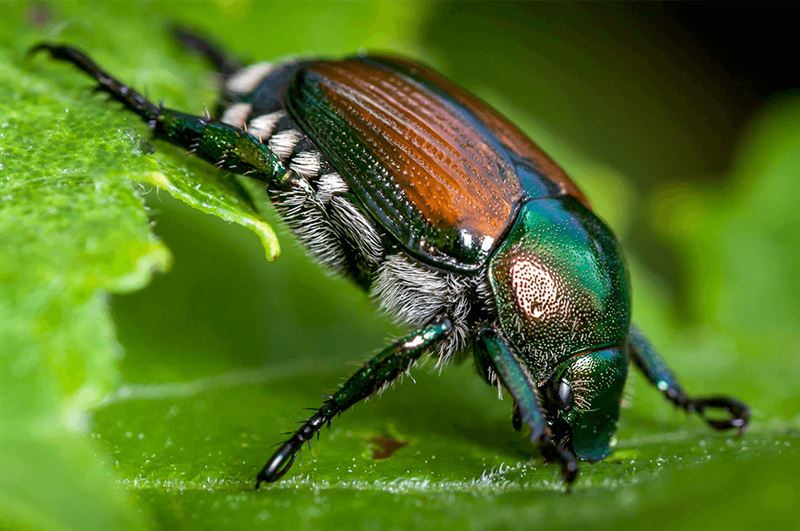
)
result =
(438, 168)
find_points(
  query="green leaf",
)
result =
(72, 229)
(222, 353)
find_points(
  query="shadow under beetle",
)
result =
(456, 223)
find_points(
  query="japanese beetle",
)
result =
(457, 224)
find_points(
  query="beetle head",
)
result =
(562, 298)
(583, 400)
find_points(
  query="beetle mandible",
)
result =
(453, 219)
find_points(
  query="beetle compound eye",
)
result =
(565, 395)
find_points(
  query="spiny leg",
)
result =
(222, 62)
(486, 371)
(379, 371)
(226, 146)
(655, 369)
(527, 409)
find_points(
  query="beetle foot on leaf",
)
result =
(278, 465)
(569, 466)
(738, 412)
(569, 463)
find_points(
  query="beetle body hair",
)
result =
(307, 217)
(249, 77)
(415, 293)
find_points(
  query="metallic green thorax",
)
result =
(560, 284)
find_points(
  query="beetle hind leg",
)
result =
(737, 414)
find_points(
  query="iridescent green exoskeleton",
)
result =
(456, 223)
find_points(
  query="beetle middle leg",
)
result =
(378, 372)
(527, 409)
(655, 369)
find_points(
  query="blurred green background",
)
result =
(150, 357)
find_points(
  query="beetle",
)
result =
(457, 224)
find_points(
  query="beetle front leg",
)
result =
(221, 144)
(378, 372)
(655, 369)
(527, 409)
